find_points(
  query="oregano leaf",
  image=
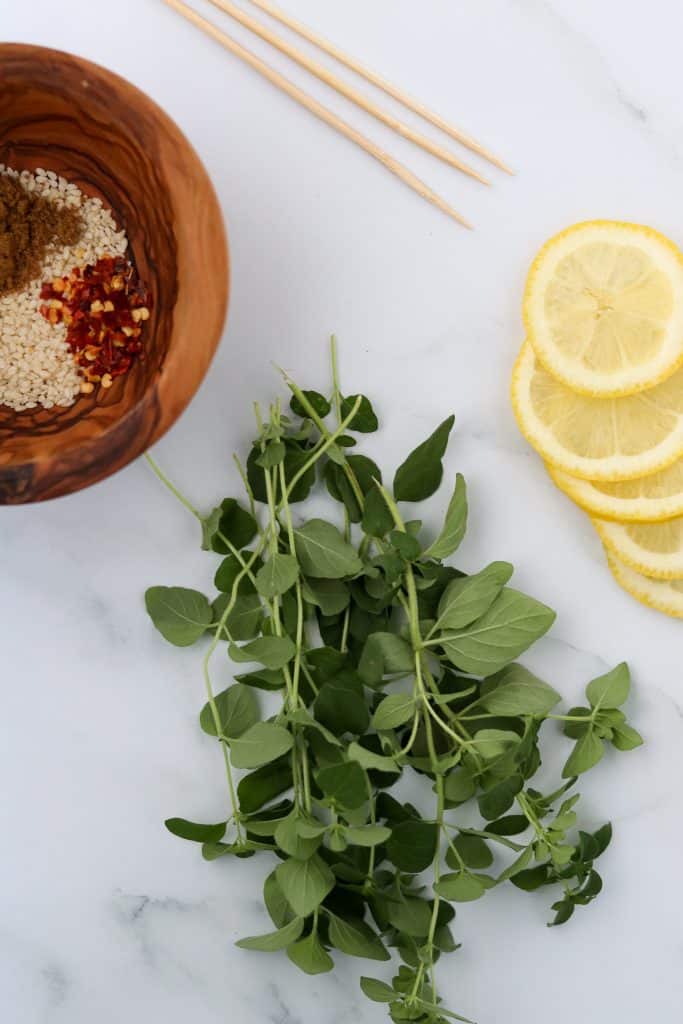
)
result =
(395, 710)
(271, 651)
(588, 751)
(278, 574)
(344, 784)
(231, 523)
(259, 745)
(182, 616)
(610, 690)
(377, 520)
(367, 835)
(422, 472)
(237, 709)
(511, 625)
(384, 653)
(356, 938)
(460, 888)
(310, 956)
(274, 941)
(412, 845)
(331, 596)
(519, 692)
(273, 455)
(305, 884)
(319, 403)
(196, 833)
(466, 599)
(451, 536)
(365, 421)
(323, 553)
(377, 991)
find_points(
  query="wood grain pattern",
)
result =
(82, 121)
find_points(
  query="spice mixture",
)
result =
(103, 309)
(50, 353)
(29, 223)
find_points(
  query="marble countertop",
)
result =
(104, 915)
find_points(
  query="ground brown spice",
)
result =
(28, 225)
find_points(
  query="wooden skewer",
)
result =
(345, 89)
(316, 108)
(381, 83)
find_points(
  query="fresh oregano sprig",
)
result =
(380, 660)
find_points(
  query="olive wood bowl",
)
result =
(70, 116)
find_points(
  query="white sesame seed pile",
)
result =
(36, 364)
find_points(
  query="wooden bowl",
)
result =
(80, 120)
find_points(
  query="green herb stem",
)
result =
(209, 688)
(306, 778)
(542, 833)
(309, 678)
(404, 751)
(247, 486)
(335, 377)
(171, 486)
(586, 719)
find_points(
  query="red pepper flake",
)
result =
(104, 308)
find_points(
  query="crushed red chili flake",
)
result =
(103, 308)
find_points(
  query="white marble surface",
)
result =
(106, 917)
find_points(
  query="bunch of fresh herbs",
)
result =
(388, 662)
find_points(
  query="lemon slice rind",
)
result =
(652, 549)
(642, 509)
(665, 257)
(609, 468)
(662, 595)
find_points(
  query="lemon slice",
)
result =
(653, 549)
(603, 307)
(645, 499)
(598, 438)
(664, 595)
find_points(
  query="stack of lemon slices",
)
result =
(598, 391)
